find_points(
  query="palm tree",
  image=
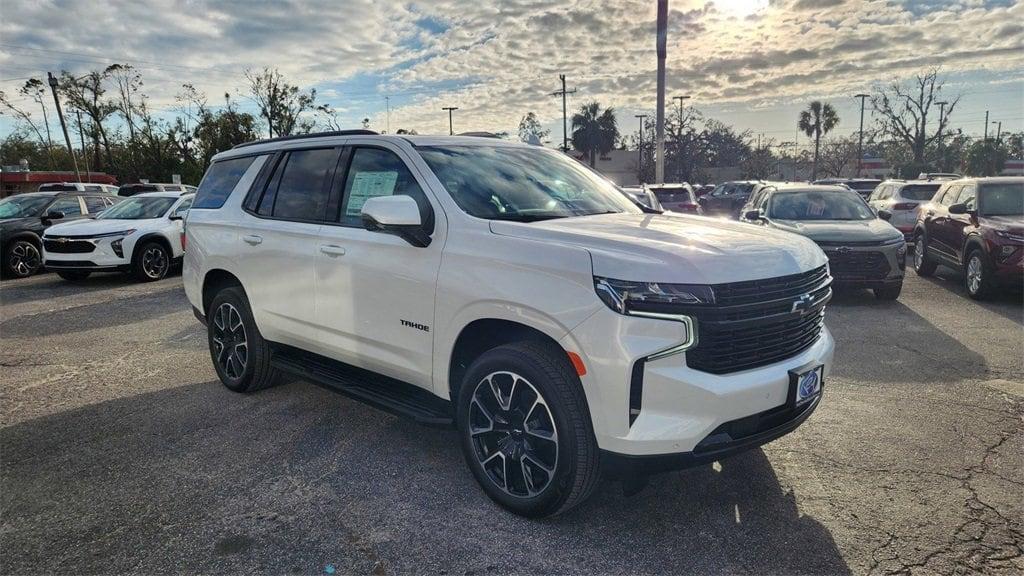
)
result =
(819, 119)
(594, 131)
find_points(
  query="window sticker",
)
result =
(366, 185)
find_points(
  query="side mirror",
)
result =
(884, 214)
(175, 217)
(398, 215)
(960, 208)
(752, 215)
(53, 215)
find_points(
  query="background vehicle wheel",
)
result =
(978, 275)
(73, 275)
(923, 265)
(889, 292)
(240, 354)
(21, 259)
(526, 431)
(151, 261)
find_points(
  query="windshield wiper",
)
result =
(525, 217)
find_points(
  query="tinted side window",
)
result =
(182, 208)
(95, 204)
(302, 192)
(375, 172)
(950, 196)
(219, 181)
(967, 196)
(69, 206)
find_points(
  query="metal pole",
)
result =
(659, 171)
(942, 119)
(999, 130)
(640, 149)
(387, 104)
(860, 137)
(450, 109)
(63, 126)
(986, 125)
(565, 113)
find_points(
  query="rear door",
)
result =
(278, 243)
(375, 291)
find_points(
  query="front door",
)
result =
(375, 291)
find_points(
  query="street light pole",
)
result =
(659, 170)
(60, 114)
(450, 109)
(640, 149)
(860, 137)
(942, 120)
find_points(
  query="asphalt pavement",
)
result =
(120, 452)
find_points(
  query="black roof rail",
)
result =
(359, 132)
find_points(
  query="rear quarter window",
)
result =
(220, 180)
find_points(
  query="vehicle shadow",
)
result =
(878, 341)
(197, 479)
(47, 286)
(1007, 303)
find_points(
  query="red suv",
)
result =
(975, 225)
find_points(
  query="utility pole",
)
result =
(942, 119)
(60, 114)
(860, 137)
(640, 149)
(659, 170)
(986, 125)
(450, 109)
(679, 144)
(387, 121)
(680, 98)
(565, 123)
(999, 130)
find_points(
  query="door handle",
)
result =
(332, 250)
(252, 239)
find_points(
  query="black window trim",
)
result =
(259, 186)
(428, 226)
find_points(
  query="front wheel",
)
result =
(22, 259)
(978, 275)
(923, 265)
(73, 275)
(151, 262)
(526, 431)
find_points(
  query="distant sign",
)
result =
(176, 178)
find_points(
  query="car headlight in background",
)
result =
(116, 245)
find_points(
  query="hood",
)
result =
(841, 230)
(675, 248)
(1013, 223)
(90, 227)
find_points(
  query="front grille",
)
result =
(857, 264)
(67, 246)
(755, 323)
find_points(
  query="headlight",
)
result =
(627, 297)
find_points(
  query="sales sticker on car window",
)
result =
(366, 185)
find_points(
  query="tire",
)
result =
(250, 371)
(73, 275)
(21, 259)
(558, 461)
(978, 275)
(923, 265)
(151, 261)
(889, 292)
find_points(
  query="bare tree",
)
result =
(36, 90)
(128, 83)
(329, 117)
(281, 104)
(838, 155)
(905, 108)
(86, 93)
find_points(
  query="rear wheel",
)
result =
(21, 259)
(240, 355)
(151, 261)
(978, 275)
(526, 431)
(923, 265)
(73, 275)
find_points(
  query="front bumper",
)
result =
(680, 407)
(867, 266)
(101, 257)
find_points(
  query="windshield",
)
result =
(523, 184)
(1002, 199)
(23, 206)
(138, 208)
(808, 205)
(919, 191)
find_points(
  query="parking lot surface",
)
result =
(120, 452)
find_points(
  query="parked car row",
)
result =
(123, 190)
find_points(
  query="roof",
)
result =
(170, 194)
(799, 187)
(331, 138)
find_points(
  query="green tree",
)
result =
(530, 130)
(281, 104)
(594, 131)
(819, 119)
(985, 158)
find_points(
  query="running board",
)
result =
(388, 394)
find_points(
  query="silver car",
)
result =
(863, 249)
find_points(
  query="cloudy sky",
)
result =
(751, 63)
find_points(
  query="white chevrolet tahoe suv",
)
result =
(512, 293)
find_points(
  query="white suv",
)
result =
(141, 235)
(509, 291)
